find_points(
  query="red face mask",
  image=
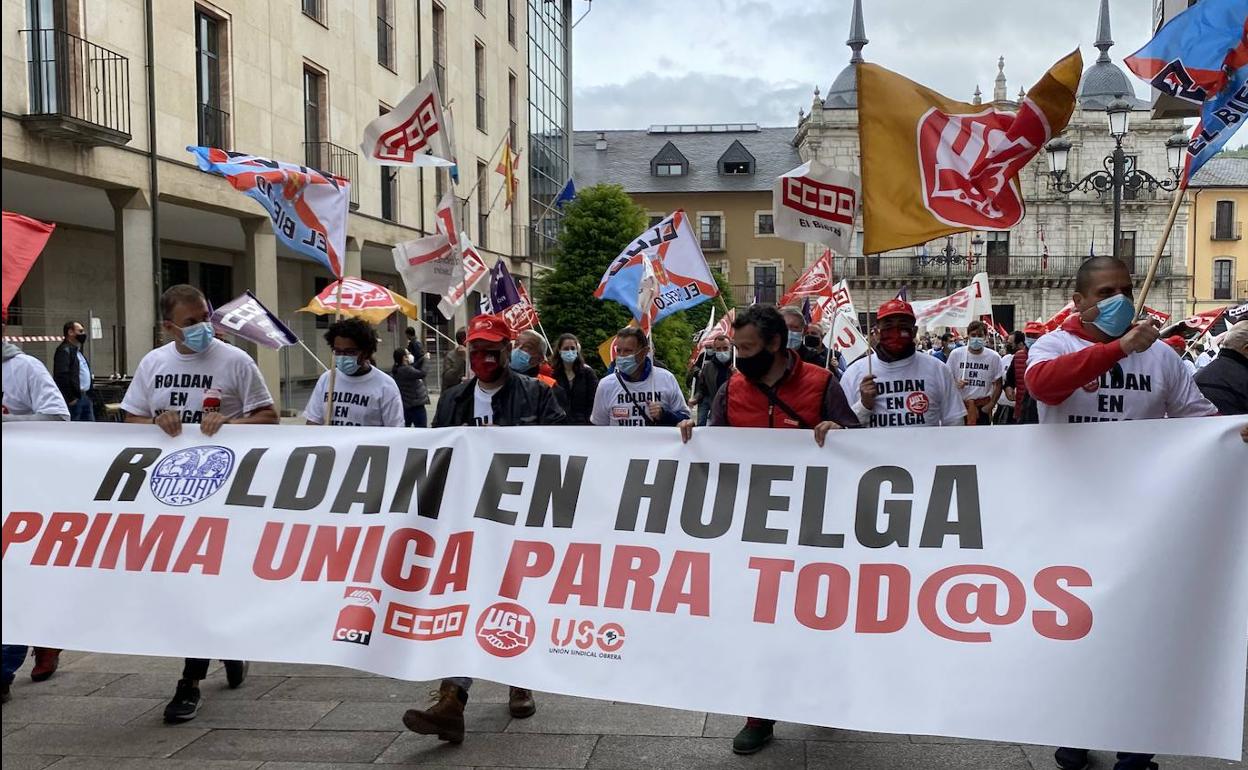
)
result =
(485, 365)
(896, 341)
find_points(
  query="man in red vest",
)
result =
(773, 387)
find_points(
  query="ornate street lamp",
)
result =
(949, 255)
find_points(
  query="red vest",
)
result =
(802, 390)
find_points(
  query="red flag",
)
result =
(723, 326)
(816, 281)
(24, 238)
(1001, 331)
(1196, 326)
(1055, 322)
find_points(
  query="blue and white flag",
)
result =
(1220, 118)
(675, 256)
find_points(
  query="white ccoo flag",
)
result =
(412, 134)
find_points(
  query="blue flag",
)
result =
(503, 290)
(1220, 118)
(566, 194)
(1188, 57)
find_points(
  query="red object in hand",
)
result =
(212, 400)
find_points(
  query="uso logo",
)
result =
(505, 629)
(191, 475)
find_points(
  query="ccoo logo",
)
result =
(191, 475)
(505, 629)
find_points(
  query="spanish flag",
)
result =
(932, 166)
(508, 167)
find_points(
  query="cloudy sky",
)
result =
(638, 62)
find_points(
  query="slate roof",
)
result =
(1222, 172)
(626, 161)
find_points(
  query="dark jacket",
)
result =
(1225, 382)
(411, 382)
(453, 369)
(711, 377)
(65, 371)
(521, 401)
(577, 397)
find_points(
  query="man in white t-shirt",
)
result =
(496, 395)
(196, 378)
(1100, 366)
(363, 394)
(894, 386)
(978, 372)
(637, 392)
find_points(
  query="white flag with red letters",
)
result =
(412, 134)
(815, 203)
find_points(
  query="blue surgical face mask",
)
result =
(975, 343)
(1115, 317)
(568, 356)
(1029, 341)
(198, 336)
(723, 356)
(626, 366)
(795, 340)
(520, 360)
(348, 365)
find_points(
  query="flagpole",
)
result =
(333, 370)
(1161, 245)
(471, 190)
(315, 358)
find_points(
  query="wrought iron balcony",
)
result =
(214, 127)
(79, 91)
(339, 161)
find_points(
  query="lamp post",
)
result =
(1115, 176)
(949, 255)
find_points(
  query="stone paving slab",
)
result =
(1042, 759)
(100, 740)
(261, 668)
(341, 766)
(68, 710)
(67, 683)
(341, 688)
(289, 745)
(248, 715)
(162, 686)
(94, 763)
(127, 664)
(610, 719)
(26, 761)
(725, 726)
(493, 750)
(620, 752)
(478, 717)
(880, 756)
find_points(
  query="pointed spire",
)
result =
(857, 32)
(999, 94)
(979, 96)
(1103, 37)
(1022, 95)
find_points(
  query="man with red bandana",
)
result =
(495, 395)
(893, 387)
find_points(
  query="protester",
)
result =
(1179, 346)
(529, 357)
(454, 367)
(796, 323)
(637, 392)
(576, 380)
(363, 394)
(772, 387)
(711, 377)
(496, 395)
(946, 347)
(1100, 366)
(1025, 412)
(1204, 356)
(1225, 380)
(72, 373)
(894, 386)
(416, 350)
(30, 394)
(978, 373)
(412, 390)
(196, 379)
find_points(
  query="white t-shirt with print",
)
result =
(30, 389)
(167, 380)
(918, 390)
(620, 402)
(1142, 386)
(483, 403)
(370, 399)
(978, 371)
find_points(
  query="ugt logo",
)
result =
(968, 164)
(355, 621)
(505, 629)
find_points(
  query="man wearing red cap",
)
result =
(1179, 346)
(892, 387)
(495, 395)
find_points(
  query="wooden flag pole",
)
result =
(318, 361)
(1161, 245)
(333, 370)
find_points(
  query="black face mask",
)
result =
(811, 341)
(756, 366)
(80, 338)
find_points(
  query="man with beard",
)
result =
(894, 386)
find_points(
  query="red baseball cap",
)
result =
(1033, 329)
(894, 307)
(1177, 342)
(490, 328)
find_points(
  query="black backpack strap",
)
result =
(775, 400)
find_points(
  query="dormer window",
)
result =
(669, 169)
(736, 160)
(738, 168)
(669, 162)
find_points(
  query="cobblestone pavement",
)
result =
(104, 711)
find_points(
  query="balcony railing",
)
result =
(213, 127)
(339, 161)
(79, 91)
(1005, 267)
(1228, 231)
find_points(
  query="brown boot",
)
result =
(444, 719)
(520, 703)
(46, 662)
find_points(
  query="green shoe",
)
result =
(756, 734)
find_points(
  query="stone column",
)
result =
(352, 266)
(260, 275)
(136, 276)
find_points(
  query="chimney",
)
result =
(600, 143)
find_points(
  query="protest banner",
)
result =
(902, 582)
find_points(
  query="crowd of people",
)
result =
(772, 371)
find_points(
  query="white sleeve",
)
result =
(1183, 396)
(252, 390)
(315, 410)
(138, 398)
(998, 371)
(600, 414)
(952, 409)
(1046, 348)
(391, 405)
(850, 383)
(673, 395)
(45, 397)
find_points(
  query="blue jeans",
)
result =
(11, 660)
(82, 411)
(416, 417)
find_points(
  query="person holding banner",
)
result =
(894, 386)
(711, 376)
(637, 392)
(576, 381)
(196, 378)
(496, 395)
(363, 394)
(978, 372)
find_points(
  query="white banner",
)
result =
(815, 203)
(902, 581)
(845, 337)
(958, 309)
(412, 134)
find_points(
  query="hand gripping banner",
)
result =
(914, 581)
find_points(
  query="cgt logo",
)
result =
(584, 635)
(425, 625)
(355, 621)
(505, 629)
